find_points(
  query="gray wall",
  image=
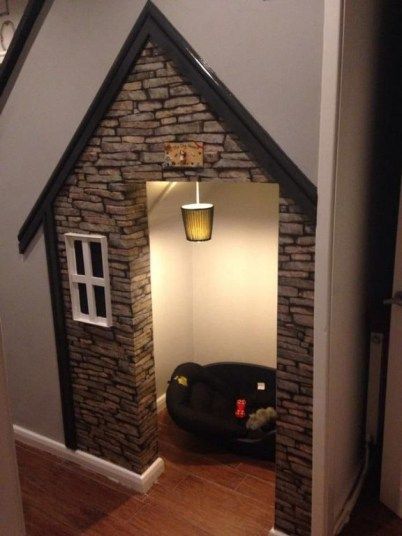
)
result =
(267, 52)
(11, 515)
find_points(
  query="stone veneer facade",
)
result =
(113, 368)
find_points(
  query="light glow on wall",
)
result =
(216, 300)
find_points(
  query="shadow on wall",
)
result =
(217, 300)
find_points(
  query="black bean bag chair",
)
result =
(202, 401)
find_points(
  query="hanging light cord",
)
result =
(197, 192)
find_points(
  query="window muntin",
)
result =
(88, 273)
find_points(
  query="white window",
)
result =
(88, 272)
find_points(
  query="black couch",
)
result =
(202, 400)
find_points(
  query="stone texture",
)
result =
(113, 368)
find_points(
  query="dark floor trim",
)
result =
(17, 44)
(63, 360)
(152, 24)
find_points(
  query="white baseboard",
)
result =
(276, 532)
(140, 483)
(161, 403)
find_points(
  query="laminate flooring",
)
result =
(204, 491)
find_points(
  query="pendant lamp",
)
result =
(198, 219)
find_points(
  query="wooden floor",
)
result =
(370, 517)
(204, 491)
(373, 519)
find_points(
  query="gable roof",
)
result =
(153, 25)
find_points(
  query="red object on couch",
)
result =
(240, 412)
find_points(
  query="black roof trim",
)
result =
(152, 24)
(19, 39)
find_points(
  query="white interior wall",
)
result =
(267, 52)
(341, 340)
(235, 276)
(214, 301)
(172, 281)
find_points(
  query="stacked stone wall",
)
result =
(113, 368)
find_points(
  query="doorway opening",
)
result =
(215, 304)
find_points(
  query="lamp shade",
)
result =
(198, 220)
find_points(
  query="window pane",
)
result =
(82, 290)
(79, 257)
(96, 257)
(100, 301)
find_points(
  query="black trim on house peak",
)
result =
(153, 25)
(23, 31)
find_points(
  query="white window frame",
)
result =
(88, 279)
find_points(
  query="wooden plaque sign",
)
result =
(185, 154)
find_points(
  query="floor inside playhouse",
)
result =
(224, 489)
